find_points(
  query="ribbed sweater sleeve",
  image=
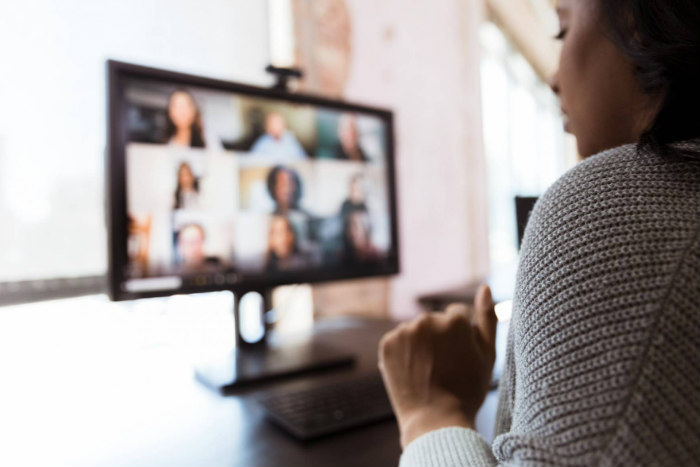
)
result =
(447, 447)
(603, 360)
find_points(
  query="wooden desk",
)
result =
(85, 383)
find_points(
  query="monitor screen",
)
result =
(216, 185)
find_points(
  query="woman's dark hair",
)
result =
(272, 184)
(662, 39)
(178, 190)
(197, 139)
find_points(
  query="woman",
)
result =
(285, 189)
(283, 252)
(184, 121)
(603, 359)
(356, 200)
(187, 191)
(348, 147)
(357, 239)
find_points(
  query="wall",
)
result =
(423, 62)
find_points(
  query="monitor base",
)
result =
(247, 366)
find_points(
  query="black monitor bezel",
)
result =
(116, 212)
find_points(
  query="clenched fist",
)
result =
(437, 368)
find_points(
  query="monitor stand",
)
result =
(268, 358)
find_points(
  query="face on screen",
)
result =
(232, 186)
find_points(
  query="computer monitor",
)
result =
(215, 185)
(523, 208)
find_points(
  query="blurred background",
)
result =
(475, 126)
(476, 123)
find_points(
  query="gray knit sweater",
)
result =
(603, 359)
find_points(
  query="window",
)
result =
(52, 127)
(525, 145)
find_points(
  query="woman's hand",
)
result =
(437, 368)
